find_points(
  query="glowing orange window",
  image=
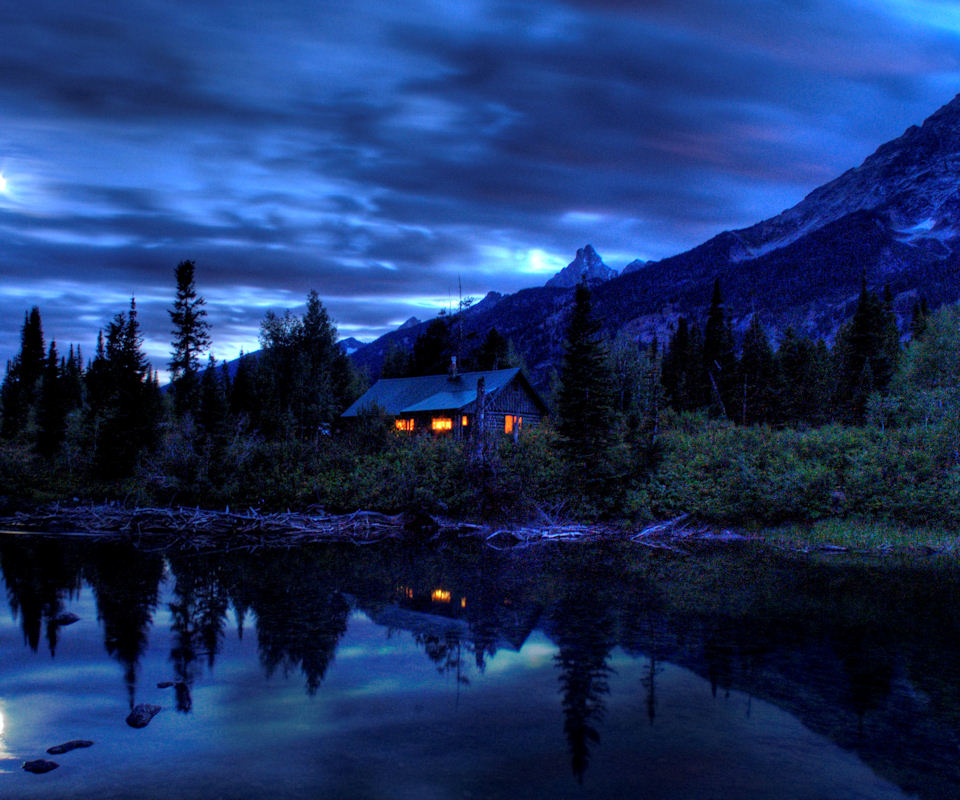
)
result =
(464, 421)
(511, 422)
(404, 425)
(441, 424)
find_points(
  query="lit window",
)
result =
(508, 422)
(464, 421)
(441, 424)
(440, 596)
(404, 425)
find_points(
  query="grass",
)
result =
(869, 535)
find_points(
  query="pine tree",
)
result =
(51, 406)
(587, 423)
(304, 379)
(756, 376)
(243, 401)
(493, 353)
(191, 337)
(396, 362)
(212, 411)
(124, 399)
(433, 349)
(719, 358)
(21, 384)
(918, 319)
(869, 339)
(683, 376)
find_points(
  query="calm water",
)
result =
(562, 671)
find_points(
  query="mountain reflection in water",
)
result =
(867, 656)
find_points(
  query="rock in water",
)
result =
(142, 714)
(66, 747)
(39, 766)
(66, 618)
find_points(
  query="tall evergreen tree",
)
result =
(866, 352)
(756, 376)
(683, 375)
(212, 407)
(304, 379)
(719, 357)
(918, 319)
(587, 422)
(124, 399)
(191, 337)
(433, 349)
(21, 384)
(52, 406)
(396, 363)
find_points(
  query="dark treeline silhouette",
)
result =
(800, 382)
(264, 431)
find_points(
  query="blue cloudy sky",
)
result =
(379, 151)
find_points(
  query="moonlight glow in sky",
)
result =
(377, 151)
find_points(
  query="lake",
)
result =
(563, 670)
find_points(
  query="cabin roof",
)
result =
(395, 396)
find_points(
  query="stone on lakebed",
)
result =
(40, 766)
(142, 714)
(66, 747)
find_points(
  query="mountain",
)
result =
(351, 345)
(587, 265)
(894, 220)
(633, 266)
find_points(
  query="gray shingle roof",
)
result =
(396, 396)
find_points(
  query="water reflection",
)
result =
(866, 656)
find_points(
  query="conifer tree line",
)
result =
(109, 411)
(801, 382)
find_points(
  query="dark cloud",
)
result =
(380, 152)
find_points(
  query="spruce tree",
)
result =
(21, 384)
(124, 397)
(51, 406)
(433, 349)
(869, 340)
(756, 376)
(719, 358)
(587, 423)
(191, 337)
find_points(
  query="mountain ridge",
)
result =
(894, 219)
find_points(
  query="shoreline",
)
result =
(200, 529)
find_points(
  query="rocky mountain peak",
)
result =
(588, 265)
(910, 181)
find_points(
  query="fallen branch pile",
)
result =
(202, 527)
(197, 528)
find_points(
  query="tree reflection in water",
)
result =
(835, 645)
(126, 583)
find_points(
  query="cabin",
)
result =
(454, 404)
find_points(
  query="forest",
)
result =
(743, 428)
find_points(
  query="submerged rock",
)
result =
(66, 747)
(40, 766)
(66, 618)
(142, 714)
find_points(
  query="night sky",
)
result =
(378, 151)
